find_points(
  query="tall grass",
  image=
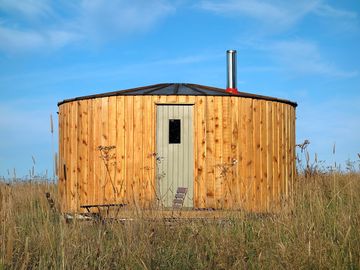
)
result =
(322, 230)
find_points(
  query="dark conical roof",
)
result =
(181, 89)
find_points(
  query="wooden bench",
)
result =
(102, 206)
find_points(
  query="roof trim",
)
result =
(199, 90)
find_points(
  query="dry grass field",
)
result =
(321, 229)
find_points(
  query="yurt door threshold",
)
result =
(175, 158)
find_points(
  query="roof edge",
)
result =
(162, 85)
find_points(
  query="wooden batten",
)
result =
(244, 151)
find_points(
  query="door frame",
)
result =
(157, 182)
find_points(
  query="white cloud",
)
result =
(31, 24)
(14, 40)
(304, 57)
(276, 15)
(29, 8)
(329, 11)
(103, 20)
(299, 57)
(279, 13)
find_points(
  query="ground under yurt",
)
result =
(176, 144)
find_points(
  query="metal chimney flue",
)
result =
(231, 72)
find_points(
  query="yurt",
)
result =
(177, 145)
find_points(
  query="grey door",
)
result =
(174, 149)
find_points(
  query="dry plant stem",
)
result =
(322, 231)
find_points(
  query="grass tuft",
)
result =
(322, 230)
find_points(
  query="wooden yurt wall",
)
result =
(243, 151)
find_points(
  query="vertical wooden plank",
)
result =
(129, 128)
(61, 156)
(82, 141)
(219, 178)
(293, 147)
(242, 174)
(276, 151)
(104, 141)
(226, 188)
(210, 153)
(147, 149)
(200, 140)
(111, 191)
(264, 154)
(154, 178)
(67, 157)
(97, 129)
(120, 148)
(269, 146)
(281, 152)
(286, 148)
(234, 160)
(73, 156)
(249, 153)
(257, 155)
(191, 152)
(90, 199)
(138, 150)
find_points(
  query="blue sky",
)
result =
(305, 51)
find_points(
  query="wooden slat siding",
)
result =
(260, 180)
(64, 163)
(154, 182)
(249, 154)
(82, 150)
(269, 158)
(242, 152)
(111, 193)
(138, 150)
(293, 147)
(282, 156)
(129, 159)
(291, 173)
(157, 165)
(263, 158)
(279, 141)
(97, 113)
(218, 152)
(257, 155)
(289, 150)
(62, 158)
(104, 141)
(200, 140)
(196, 162)
(171, 99)
(147, 150)
(73, 152)
(91, 146)
(120, 148)
(227, 188)
(210, 152)
(271, 169)
(67, 157)
(234, 159)
(192, 157)
(287, 146)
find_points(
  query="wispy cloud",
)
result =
(276, 15)
(304, 57)
(30, 24)
(281, 14)
(329, 11)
